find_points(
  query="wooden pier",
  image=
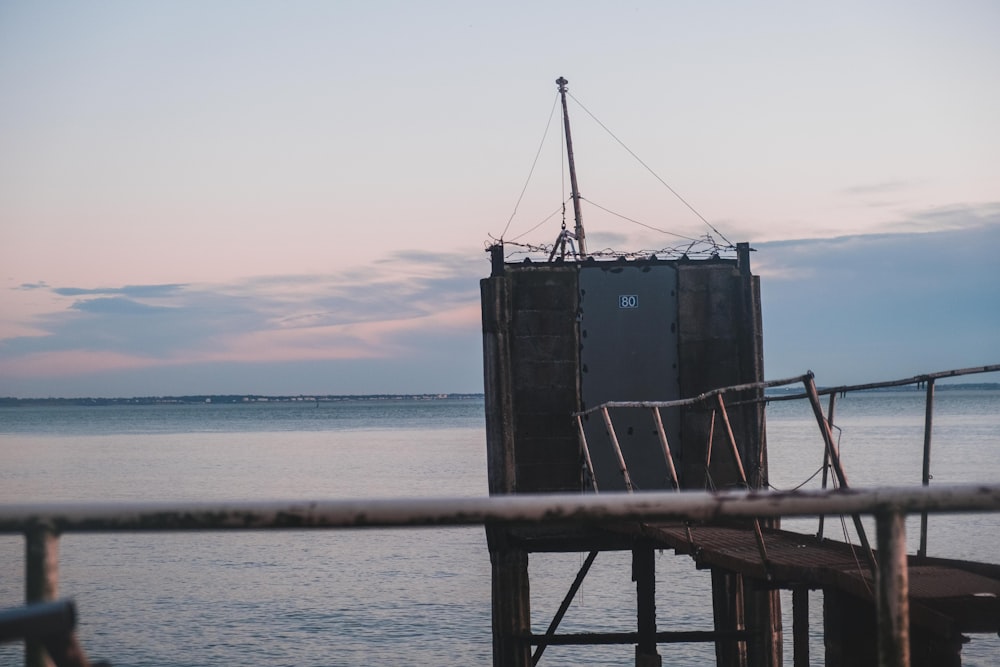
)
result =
(584, 393)
(946, 598)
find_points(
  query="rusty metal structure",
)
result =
(563, 416)
(586, 362)
(644, 374)
(563, 341)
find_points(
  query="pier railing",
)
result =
(928, 381)
(42, 524)
(715, 403)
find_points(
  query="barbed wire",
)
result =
(704, 247)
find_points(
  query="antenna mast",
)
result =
(572, 171)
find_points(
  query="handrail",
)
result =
(680, 402)
(916, 379)
(42, 524)
(812, 393)
(499, 509)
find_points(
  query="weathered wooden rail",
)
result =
(714, 400)
(928, 381)
(42, 524)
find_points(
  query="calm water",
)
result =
(396, 597)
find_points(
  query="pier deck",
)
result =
(947, 597)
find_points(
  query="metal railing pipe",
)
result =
(926, 471)
(41, 582)
(501, 509)
(916, 379)
(699, 398)
(619, 456)
(892, 597)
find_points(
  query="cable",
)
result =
(641, 224)
(650, 170)
(854, 553)
(796, 488)
(533, 164)
(544, 220)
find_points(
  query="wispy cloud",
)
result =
(366, 312)
(851, 308)
(868, 307)
(879, 189)
(137, 291)
(799, 259)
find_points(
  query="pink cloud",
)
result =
(360, 340)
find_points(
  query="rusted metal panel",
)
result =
(544, 385)
(495, 295)
(629, 352)
(720, 345)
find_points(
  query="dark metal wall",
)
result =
(531, 360)
(628, 352)
(562, 337)
(720, 344)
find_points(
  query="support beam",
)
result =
(567, 601)
(511, 608)
(763, 620)
(892, 591)
(727, 608)
(41, 583)
(926, 478)
(800, 626)
(644, 576)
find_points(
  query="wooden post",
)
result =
(727, 608)
(511, 608)
(743, 478)
(826, 458)
(838, 469)
(618, 450)
(644, 576)
(671, 469)
(928, 427)
(589, 462)
(892, 591)
(581, 237)
(800, 626)
(41, 583)
(501, 467)
(709, 484)
(762, 611)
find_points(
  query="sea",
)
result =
(403, 596)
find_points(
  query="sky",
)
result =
(295, 198)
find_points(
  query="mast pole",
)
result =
(581, 243)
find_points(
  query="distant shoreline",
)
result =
(231, 399)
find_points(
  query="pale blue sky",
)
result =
(294, 197)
